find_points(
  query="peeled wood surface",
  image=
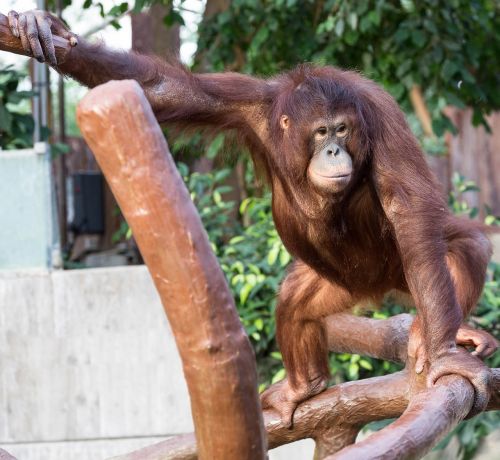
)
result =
(219, 365)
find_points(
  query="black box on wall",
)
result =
(87, 200)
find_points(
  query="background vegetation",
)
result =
(16, 122)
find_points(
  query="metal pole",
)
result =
(63, 170)
(36, 101)
(43, 84)
(40, 112)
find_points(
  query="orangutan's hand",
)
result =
(36, 28)
(461, 362)
(483, 342)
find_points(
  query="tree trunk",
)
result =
(150, 35)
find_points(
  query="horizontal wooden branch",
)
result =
(431, 414)
(311, 417)
(383, 339)
(334, 417)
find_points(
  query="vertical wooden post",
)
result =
(120, 128)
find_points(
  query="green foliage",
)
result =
(16, 122)
(458, 204)
(207, 192)
(254, 262)
(450, 48)
(471, 432)
(487, 313)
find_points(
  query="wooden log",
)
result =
(431, 414)
(218, 361)
(333, 418)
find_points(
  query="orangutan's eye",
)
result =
(322, 131)
(341, 131)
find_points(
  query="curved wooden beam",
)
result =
(334, 418)
(431, 414)
(218, 361)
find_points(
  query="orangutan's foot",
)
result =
(284, 398)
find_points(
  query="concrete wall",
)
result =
(29, 233)
(89, 368)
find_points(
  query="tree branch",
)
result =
(383, 339)
(421, 110)
(335, 417)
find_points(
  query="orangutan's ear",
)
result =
(284, 122)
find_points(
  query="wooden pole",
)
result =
(219, 365)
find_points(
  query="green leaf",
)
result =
(5, 120)
(408, 5)
(365, 364)
(374, 17)
(284, 257)
(280, 375)
(59, 148)
(215, 146)
(449, 69)
(256, 336)
(326, 26)
(402, 34)
(260, 38)
(419, 38)
(353, 371)
(272, 257)
(339, 27)
(276, 355)
(351, 37)
(245, 292)
(174, 17)
(353, 20)
(217, 197)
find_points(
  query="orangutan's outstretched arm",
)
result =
(223, 99)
